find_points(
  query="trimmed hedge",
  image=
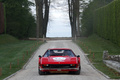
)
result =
(107, 22)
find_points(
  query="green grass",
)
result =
(15, 52)
(5, 38)
(96, 45)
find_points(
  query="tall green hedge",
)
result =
(107, 22)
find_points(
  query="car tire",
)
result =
(41, 73)
(78, 72)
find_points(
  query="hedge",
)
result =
(107, 22)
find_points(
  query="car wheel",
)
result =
(41, 73)
(78, 72)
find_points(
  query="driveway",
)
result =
(31, 70)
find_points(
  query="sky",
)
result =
(59, 24)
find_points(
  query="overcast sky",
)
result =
(59, 24)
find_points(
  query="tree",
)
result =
(39, 15)
(74, 16)
(42, 20)
(46, 16)
(17, 17)
(77, 18)
(2, 19)
(70, 5)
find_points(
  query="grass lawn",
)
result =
(94, 46)
(14, 54)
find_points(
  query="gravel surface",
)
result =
(31, 70)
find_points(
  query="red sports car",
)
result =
(59, 60)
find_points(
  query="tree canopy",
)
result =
(19, 20)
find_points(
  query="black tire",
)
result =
(41, 73)
(78, 72)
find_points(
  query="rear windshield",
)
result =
(59, 53)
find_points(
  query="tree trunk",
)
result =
(77, 18)
(41, 18)
(39, 15)
(70, 4)
(46, 16)
(74, 18)
(2, 25)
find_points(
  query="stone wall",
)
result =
(112, 61)
(106, 56)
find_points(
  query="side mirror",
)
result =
(78, 55)
(39, 56)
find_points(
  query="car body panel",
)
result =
(56, 62)
(59, 60)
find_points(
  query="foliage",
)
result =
(19, 20)
(88, 16)
(106, 22)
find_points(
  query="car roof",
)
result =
(59, 49)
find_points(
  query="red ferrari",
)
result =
(59, 60)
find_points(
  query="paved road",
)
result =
(31, 70)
